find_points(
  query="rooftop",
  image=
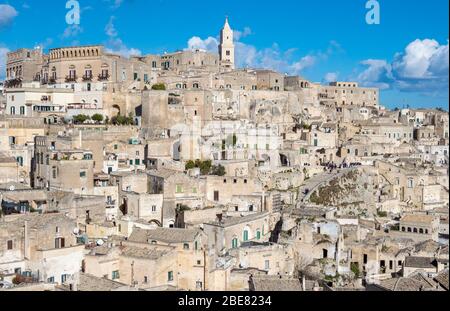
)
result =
(165, 235)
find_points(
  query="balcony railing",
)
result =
(52, 81)
(71, 79)
(87, 78)
(103, 77)
(13, 83)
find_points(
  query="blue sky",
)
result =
(322, 40)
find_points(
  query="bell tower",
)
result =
(226, 47)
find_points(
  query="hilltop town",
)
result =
(182, 172)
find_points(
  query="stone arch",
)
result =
(116, 109)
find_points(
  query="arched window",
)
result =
(415, 230)
(409, 229)
(246, 235)
(234, 243)
(22, 110)
(403, 229)
(421, 231)
(12, 110)
(258, 234)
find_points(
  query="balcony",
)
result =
(103, 77)
(13, 83)
(71, 79)
(87, 78)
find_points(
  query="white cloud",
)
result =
(3, 54)
(238, 35)
(209, 44)
(269, 58)
(72, 31)
(7, 15)
(331, 77)
(114, 4)
(378, 73)
(115, 45)
(110, 30)
(422, 67)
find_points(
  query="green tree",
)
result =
(97, 118)
(205, 167)
(355, 269)
(159, 87)
(218, 170)
(80, 119)
(190, 165)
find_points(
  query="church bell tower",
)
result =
(226, 47)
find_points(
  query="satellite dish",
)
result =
(100, 242)
(76, 231)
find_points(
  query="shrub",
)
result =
(80, 119)
(355, 269)
(97, 118)
(218, 170)
(190, 165)
(159, 87)
(382, 214)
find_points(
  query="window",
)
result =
(365, 259)
(12, 110)
(170, 276)
(246, 236)
(216, 196)
(137, 162)
(267, 265)
(82, 174)
(64, 278)
(60, 243)
(115, 275)
(154, 208)
(258, 235)
(234, 243)
(51, 280)
(9, 245)
(410, 183)
(22, 110)
(179, 189)
(186, 246)
(20, 161)
(145, 279)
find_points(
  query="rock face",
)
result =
(352, 194)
